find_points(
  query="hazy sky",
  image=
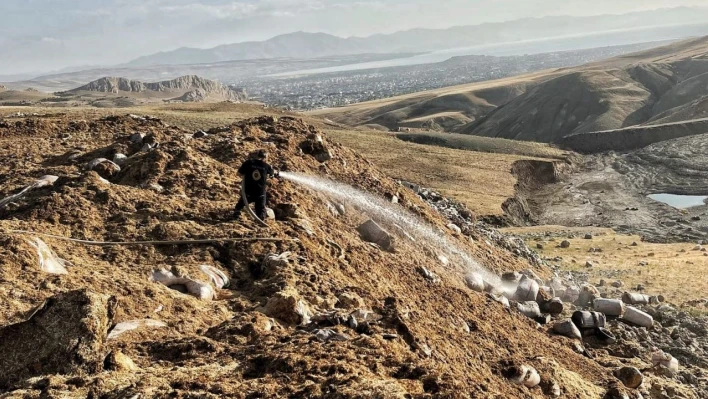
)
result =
(42, 35)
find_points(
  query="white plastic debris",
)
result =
(637, 317)
(216, 276)
(49, 262)
(526, 376)
(304, 312)
(475, 282)
(195, 288)
(365, 315)
(126, 326)
(43, 181)
(660, 358)
(95, 162)
(610, 307)
(277, 261)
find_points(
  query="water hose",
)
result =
(245, 201)
(171, 242)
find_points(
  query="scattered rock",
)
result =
(65, 335)
(588, 236)
(553, 306)
(314, 145)
(616, 393)
(120, 159)
(349, 300)
(634, 244)
(200, 134)
(589, 264)
(286, 211)
(370, 231)
(287, 306)
(565, 244)
(527, 290)
(637, 317)
(512, 277)
(529, 309)
(618, 284)
(325, 335)
(631, 377)
(117, 361)
(539, 246)
(137, 138)
(428, 275)
(455, 228)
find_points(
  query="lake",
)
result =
(680, 201)
(546, 45)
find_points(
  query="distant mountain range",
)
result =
(312, 45)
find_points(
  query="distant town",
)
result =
(343, 88)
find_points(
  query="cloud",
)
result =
(115, 31)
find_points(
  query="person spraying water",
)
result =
(255, 173)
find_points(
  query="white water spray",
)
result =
(390, 214)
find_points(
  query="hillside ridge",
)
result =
(195, 86)
(656, 86)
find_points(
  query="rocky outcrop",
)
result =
(194, 88)
(67, 334)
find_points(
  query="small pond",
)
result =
(680, 201)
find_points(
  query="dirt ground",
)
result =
(433, 339)
(610, 190)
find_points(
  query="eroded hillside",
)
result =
(653, 87)
(432, 339)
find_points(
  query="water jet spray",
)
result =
(390, 214)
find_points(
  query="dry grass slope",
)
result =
(671, 270)
(661, 85)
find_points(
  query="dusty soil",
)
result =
(610, 190)
(444, 340)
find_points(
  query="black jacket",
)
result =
(256, 173)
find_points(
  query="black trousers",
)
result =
(256, 198)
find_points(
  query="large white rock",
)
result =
(370, 231)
